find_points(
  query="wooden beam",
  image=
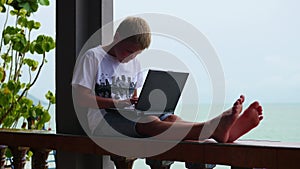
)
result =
(249, 154)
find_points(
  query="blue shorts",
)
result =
(115, 124)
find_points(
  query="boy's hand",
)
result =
(122, 103)
(134, 100)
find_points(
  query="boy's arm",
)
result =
(85, 98)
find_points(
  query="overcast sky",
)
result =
(257, 41)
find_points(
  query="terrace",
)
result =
(76, 22)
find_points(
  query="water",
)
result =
(280, 123)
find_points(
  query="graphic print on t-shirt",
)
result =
(117, 87)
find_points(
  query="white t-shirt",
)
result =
(106, 77)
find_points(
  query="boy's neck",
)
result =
(109, 49)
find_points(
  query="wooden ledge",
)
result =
(242, 153)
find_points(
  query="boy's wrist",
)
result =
(116, 103)
(122, 103)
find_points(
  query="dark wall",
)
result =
(76, 21)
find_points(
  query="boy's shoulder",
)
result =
(95, 52)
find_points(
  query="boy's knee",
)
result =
(146, 125)
(148, 119)
(172, 118)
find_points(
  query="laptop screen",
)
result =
(161, 91)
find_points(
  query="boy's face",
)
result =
(126, 51)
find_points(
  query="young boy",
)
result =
(107, 77)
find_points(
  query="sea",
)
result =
(281, 122)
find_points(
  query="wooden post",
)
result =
(76, 21)
(39, 158)
(122, 162)
(2, 156)
(159, 164)
(19, 156)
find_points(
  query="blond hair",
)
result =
(136, 30)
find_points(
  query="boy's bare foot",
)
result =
(228, 118)
(249, 119)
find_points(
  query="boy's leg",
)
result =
(153, 126)
(190, 165)
(248, 120)
(156, 127)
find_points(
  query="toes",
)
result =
(260, 110)
(242, 98)
(235, 107)
(234, 110)
(254, 105)
(260, 117)
(239, 101)
(236, 103)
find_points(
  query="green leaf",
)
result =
(11, 85)
(7, 38)
(46, 46)
(29, 155)
(38, 48)
(23, 12)
(36, 25)
(50, 96)
(13, 12)
(40, 38)
(46, 117)
(1, 75)
(26, 5)
(8, 121)
(6, 58)
(11, 30)
(2, 8)
(33, 64)
(8, 153)
(18, 46)
(44, 2)
(34, 7)
(32, 47)
(30, 25)
(22, 21)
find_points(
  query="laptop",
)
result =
(160, 93)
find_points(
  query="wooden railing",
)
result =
(246, 154)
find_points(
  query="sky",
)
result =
(257, 42)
